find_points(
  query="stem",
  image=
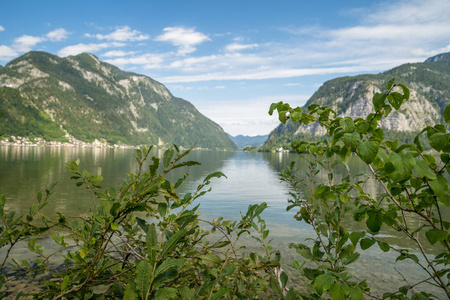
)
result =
(436, 273)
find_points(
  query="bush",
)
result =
(415, 186)
(144, 241)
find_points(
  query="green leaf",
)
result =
(274, 106)
(406, 92)
(395, 99)
(220, 244)
(367, 151)
(282, 117)
(447, 114)
(142, 223)
(378, 101)
(323, 283)
(403, 165)
(64, 283)
(439, 185)
(210, 259)
(351, 139)
(283, 278)
(445, 199)
(168, 157)
(384, 246)
(228, 270)
(170, 275)
(356, 293)
(101, 289)
(423, 169)
(114, 226)
(186, 293)
(339, 291)
(162, 209)
(151, 240)
(296, 114)
(130, 292)
(435, 235)
(166, 293)
(220, 293)
(344, 198)
(350, 259)
(214, 175)
(347, 124)
(275, 286)
(374, 221)
(390, 83)
(356, 236)
(366, 243)
(172, 241)
(439, 141)
(291, 295)
(143, 276)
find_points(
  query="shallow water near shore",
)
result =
(251, 178)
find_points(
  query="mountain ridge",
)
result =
(244, 140)
(429, 83)
(89, 99)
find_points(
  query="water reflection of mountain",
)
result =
(26, 170)
(251, 178)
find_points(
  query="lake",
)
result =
(251, 178)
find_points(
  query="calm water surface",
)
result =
(251, 178)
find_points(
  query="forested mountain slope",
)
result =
(429, 83)
(83, 98)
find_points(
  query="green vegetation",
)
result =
(285, 139)
(416, 190)
(250, 149)
(143, 240)
(21, 118)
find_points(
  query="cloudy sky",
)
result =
(233, 58)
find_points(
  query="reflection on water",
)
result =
(251, 178)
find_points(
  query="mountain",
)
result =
(244, 140)
(80, 97)
(429, 83)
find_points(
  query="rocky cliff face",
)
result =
(429, 83)
(88, 99)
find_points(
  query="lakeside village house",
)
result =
(24, 141)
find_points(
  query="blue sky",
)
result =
(232, 59)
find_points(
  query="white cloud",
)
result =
(239, 47)
(122, 34)
(7, 53)
(148, 61)
(269, 73)
(80, 48)
(57, 35)
(375, 44)
(118, 53)
(2, 28)
(184, 38)
(26, 42)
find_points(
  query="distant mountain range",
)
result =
(244, 140)
(80, 97)
(429, 83)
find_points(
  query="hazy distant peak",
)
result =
(438, 57)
